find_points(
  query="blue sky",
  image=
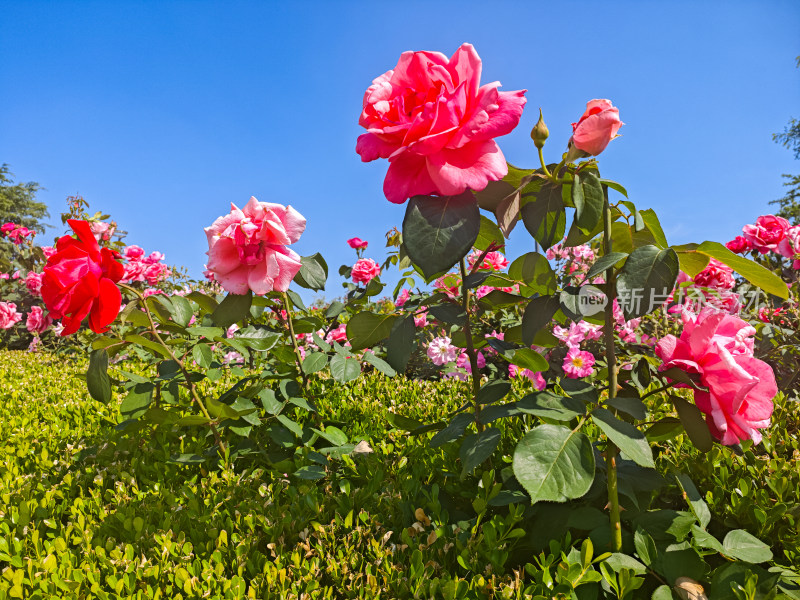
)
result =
(162, 113)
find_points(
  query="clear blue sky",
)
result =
(162, 113)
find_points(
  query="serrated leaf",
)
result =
(544, 217)
(366, 329)
(477, 447)
(554, 463)
(646, 279)
(438, 231)
(313, 362)
(232, 309)
(743, 546)
(344, 369)
(625, 436)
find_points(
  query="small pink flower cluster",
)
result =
(577, 259)
(712, 286)
(719, 348)
(102, 231)
(493, 261)
(16, 233)
(769, 234)
(144, 268)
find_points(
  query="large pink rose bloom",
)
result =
(436, 124)
(247, 248)
(596, 127)
(767, 233)
(719, 347)
(365, 270)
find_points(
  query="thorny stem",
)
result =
(298, 356)
(182, 367)
(473, 358)
(611, 359)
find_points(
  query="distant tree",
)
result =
(18, 202)
(789, 205)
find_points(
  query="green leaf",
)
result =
(488, 234)
(310, 472)
(617, 187)
(97, 380)
(477, 447)
(753, 272)
(535, 272)
(220, 410)
(440, 231)
(538, 313)
(135, 403)
(525, 358)
(187, 459)
(646, 279)
(334, 309)
(146, 343)
(257, 338)
(181, 310)
(554, 463)
(631, 406)
(627, 438)
(605, 262)
(664, 429)
(313, 362)
(206, 303)
(380, 364)
(694, 423)
(544, 217)
(232, 309)
(705, 539)
(743, 546)
(695, 501)
(334, 435)
(206, 332)
(313, 272)
(492, 391)
(455, 429)
(692, 262)
(344, 369)
(202, 355)
(548, 405)
(653, 226)
(400, 344)
(587, 195)
(366, 329)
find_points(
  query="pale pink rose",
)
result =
(421, 320)
(493, 261)
(767, 233)
(48, 251)
(15, 275)
(101, 230)
(436, 124)
(33, 281)
(247, 248)
(535, 376)
(133, 252)
(155, 273)
(441, 351)
(9, 316)
(578, 363)
(716, 275)
(37, 321)
(719, 347)
(402, 297)
(154, 257)
(789, 246)
(152, 292)
(738, 245)
(365, 270)
(357, 243)
(596, 127)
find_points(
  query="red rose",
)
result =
(738, 245)
(80, 280)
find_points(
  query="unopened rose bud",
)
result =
(540, 133)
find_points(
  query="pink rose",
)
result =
(493, 261)
(789, 247)
(738, 245)
(716, 275)
(357, 243)
(441, 351)
(337, 335)
(7, 228)
(33, 281)
(767, 233)
(133, 252)
(578, 363)
(9, 315)
(153, 258)
(37, 321)
(365, 270)
(535, 376)
(48, 251)
(4, 275)
(421, 320)
(436, 124)
(596, 127)
(719, 347)
(247, 248)
(402, 298)
(101, 230)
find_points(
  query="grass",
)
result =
(86, 513)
